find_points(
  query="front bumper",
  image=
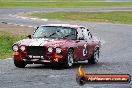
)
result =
(48, 58)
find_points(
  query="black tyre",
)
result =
(95, 57)
(19, 64)
(69, 60)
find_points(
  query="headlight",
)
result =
(22, 48)
(50, 49)
(58, 50)
(15, 48)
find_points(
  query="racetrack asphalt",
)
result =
(116, 56)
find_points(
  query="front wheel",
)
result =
(95, 57)
(19, 64)
(69, 60)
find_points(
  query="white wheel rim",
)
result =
(70, 59)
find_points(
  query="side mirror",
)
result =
(29, 36)
(91, 35)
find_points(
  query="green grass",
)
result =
(6, 41)
(114, 17)
(49, 0)
(67, 4)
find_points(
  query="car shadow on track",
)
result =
(75, 66)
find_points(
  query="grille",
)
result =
(35, 50)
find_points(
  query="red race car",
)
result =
(61, 44)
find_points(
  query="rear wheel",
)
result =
(69, 60)
(19, 64)
(95, 57)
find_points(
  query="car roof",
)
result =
(64, 25)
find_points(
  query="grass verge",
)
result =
(6, 41)
(67, 4)
(49, 0)
(113, 17)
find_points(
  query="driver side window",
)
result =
(80, 34)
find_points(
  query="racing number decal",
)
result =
(85, 50)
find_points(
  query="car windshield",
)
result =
(54, 32)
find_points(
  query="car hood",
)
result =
(43, 42)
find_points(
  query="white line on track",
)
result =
(28, 18)
(6, 59)
(19, 25)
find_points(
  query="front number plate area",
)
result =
(37, 57)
